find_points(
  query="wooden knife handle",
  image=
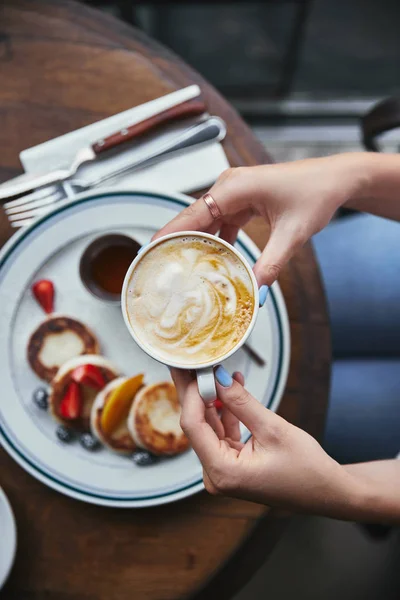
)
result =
(190, 108)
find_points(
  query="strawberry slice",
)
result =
(43, 291)
(89, 375)
(71, 404)
(218, 404)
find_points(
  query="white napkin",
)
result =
(186, 172)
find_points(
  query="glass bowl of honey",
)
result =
(104, 264)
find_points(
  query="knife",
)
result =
(29, 181)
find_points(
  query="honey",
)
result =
(104, 264)
(108, 268)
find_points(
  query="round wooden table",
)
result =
(63, 66)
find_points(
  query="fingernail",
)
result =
(262, 294)
(223, 377)
(142, 248)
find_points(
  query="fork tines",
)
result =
(23, 210)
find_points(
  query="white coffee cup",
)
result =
(205, 370)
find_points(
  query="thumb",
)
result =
(243, 405)
(281, 246)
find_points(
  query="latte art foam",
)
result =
(190, 300)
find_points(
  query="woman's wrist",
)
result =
(379, 490)
(369, 493)
(347, 501)
(376, 181)
(357, 173)
(359, 495)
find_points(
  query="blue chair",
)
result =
(359, 257)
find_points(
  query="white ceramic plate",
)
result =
(51, 249)
(8, 538)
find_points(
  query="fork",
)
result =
(27, 182)
(24, 210)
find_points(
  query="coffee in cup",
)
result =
(190, 300)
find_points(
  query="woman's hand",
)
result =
(280, 465)
(296, 199)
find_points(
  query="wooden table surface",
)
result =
(63, 66)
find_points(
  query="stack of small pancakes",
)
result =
(89, 394)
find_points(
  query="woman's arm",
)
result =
(296, 200)
(380, 481)
(281, 465)
(379, 193)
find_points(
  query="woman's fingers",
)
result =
(230, 424)
(214, 227)
(212, 418)
(181, 378)
(208, 484)
(229, 420)
(203, 438)
(230, 192)
(258, 419)
(239, 377)
(282, 243)
(232, 224)
(229, 233)
(195, 217)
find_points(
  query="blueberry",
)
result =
(65, 434)
(89, 442)
(142, 458)
(40, 398)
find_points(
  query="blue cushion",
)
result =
(364, 413)
(360, 264)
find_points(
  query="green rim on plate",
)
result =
(62, 485)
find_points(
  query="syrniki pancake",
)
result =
(57, 340)
(110, 412)
(154, 420)
(64, 384)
